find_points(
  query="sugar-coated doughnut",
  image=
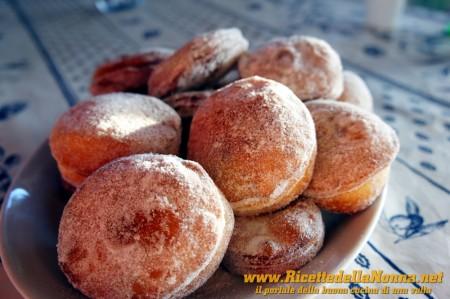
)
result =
(202, 60)
(355, 151)
(106, 127)
(276, 242)
(356, 91)
(307, 65)
(144, 226)
(257, 141)
(128, 73)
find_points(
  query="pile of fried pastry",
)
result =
(213, 154)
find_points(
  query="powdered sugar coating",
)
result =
(276, 242)
(109, 126)
(144, 226)
(353, 146)
(202, 60)
(256, 140)
(307, 65)
(356, 91)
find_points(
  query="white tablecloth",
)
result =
(49, 49)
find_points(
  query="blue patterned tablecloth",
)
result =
(50, 48)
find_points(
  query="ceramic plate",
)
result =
(29, 226)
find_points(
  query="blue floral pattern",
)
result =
(9, 110)
(411, 224)
(21, 64)
(358, 295)
(362, 260)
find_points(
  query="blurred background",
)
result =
(433, 4)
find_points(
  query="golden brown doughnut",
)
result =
(276, 242)
(144, 226)
(257, 141)
(307, 65)
(355, 149)
(202, 60)
(356, 91)
(106, 127)
(128, 73)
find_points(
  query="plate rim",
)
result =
(4, 261)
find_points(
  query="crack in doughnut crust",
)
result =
(307, 65)
(202, 60)
(144, 226)
(356, 91)
(273, 243)
(106, 127)
(128, 73)
(186, 103)
(354, 151)
(257, 141)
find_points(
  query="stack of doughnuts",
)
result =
(287, 133)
